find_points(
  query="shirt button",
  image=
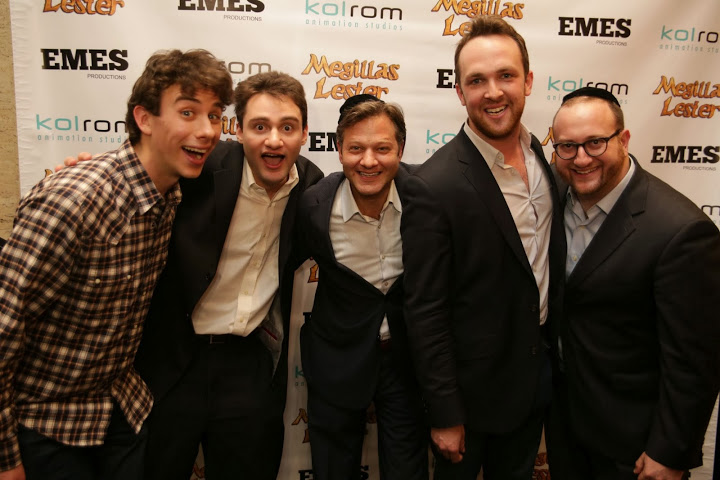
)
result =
(129, 277)
(97, 281)
(574, 258)
(382, 257)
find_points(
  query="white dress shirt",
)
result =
(531, 206)
(370, 247)
(241, 294)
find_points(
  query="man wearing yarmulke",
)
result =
(638, 343)
(354, 346)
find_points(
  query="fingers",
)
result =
(72, 161)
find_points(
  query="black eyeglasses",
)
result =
(593, 147)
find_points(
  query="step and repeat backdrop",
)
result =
(76, 61)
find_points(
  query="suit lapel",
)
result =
(616, 228)
(476, 171)
(227, 190)
(321, 221)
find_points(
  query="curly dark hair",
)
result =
(192, 70)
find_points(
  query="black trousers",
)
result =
(226, 403)
(337, 433)
(119, 458)
(506, 456)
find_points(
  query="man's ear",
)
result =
(142, 119)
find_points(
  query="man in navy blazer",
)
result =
(640, 334)
(214, 350)
(353, 346)
(483, 250)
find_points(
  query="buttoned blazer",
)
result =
(199, 232)
(339, 344)
(472, 302)
(641, 331)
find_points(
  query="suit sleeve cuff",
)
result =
(446, 412)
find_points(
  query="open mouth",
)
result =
(197, 153)
(367, 174)
(273, 160)
(586, 171)
(495, 111)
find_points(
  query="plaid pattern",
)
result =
(76, 278)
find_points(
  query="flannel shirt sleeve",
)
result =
(34, 265)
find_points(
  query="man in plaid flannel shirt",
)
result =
(77, 275)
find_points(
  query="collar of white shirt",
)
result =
(491, 154)
(350, 208)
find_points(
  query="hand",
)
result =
(450, 442)
(648, 469)
(71, 162)
(17, 473)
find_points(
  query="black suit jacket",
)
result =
(339, 345)
(641, 334)
(472, 303)
(199, 232)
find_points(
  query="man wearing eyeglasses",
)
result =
(640, 332)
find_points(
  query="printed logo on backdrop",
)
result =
(688, 39)
(434, 139)
(106, 134)
(465, 8)
(607, 31)
(706, 93)
(558, 87)
(322, 142)
(688, 157)
(340, 15)
(86, 59)
(84, 7)
(233, 10)
(368, 76)
(712, 211)
(239, 72)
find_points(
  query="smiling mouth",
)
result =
(198, 153)
(495, 111)
(366, 174)
(586, 171)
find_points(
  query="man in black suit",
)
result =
(354, 347)
(640, 332)
(214, 351)
(483, 250)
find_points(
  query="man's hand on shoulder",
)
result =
(71, 162)
(450, 442)
(17, 473)
(648, 469)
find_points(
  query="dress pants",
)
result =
(120, 457)
(337, 433)
(505, 456)
(226, 402)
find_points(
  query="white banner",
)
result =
(76, 61)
